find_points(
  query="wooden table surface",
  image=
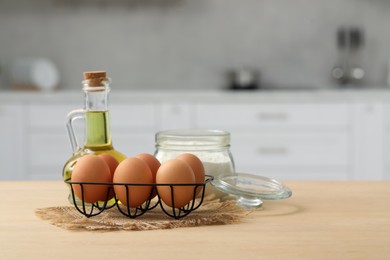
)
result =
(322, 220)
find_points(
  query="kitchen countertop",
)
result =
(322, 220)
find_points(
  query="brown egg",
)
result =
(112, 164)
(91, 168)
(175, 171)
(196, 165)
(151, 161)
(153, 164)
(133, 170)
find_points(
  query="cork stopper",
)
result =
(95, 78)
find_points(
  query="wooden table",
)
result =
(322, 220)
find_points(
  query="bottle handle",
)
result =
(73, 115)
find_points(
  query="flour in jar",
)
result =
(217, 169)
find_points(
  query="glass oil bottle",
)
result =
(96, 87)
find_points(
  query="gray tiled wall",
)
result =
(154, 44)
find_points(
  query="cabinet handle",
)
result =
(273, 150)
(272, 116)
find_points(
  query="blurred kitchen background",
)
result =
(183, 44)
(172, 63)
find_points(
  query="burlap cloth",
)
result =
(209, 213)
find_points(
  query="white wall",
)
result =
(191, 43)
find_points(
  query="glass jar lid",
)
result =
(251, 190)
(195, 138)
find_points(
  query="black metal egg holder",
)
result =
(94, 209)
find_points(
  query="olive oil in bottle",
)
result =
(97, 138)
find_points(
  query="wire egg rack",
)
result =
(94, 209)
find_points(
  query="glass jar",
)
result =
(211, 146)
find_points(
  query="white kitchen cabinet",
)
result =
(132, 128)
(368, 144)
(280, 116)
(48, 116)
(12, 148)
(134, 143)
(299, 149)
(293, 156)
(386, 141)
(287, 140)
(321, 136)
(386, 154)
(133, 117)
(176, 115)
(48, 146)
(48, 151)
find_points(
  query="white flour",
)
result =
(217, 169)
